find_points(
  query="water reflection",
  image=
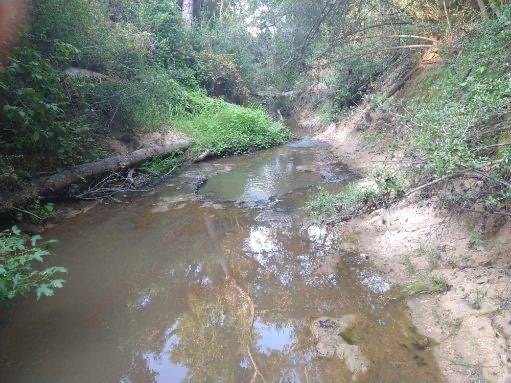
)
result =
(267, 174)
(260, 241)
(273, 337)
(162, 367)
(210, 291)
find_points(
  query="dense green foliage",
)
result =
(454, 123)
(139, 70)
(163, 165)
(467, 94)
(458, 117)
(17, 273)
(42, 113)
(224, 128)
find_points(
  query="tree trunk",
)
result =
(447, 16)
(221, 8)
(187, 12)
(484, 11)
(78, 173)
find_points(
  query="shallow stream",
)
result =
(214, 277)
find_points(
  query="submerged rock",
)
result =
(328, 333)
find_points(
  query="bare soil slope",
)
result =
(415, 240)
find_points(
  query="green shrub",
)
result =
(354, 197)
(42, 123)
(221, 78)
(468, 93)
(327, 113)
(382, 186)
(351, 200)
(17, 273)
(387, 181)
(352, 78)
(475, 237)
(323, 204)
(224, 128)
(36, 211)
(428, 284)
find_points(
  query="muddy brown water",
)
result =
(212, 278)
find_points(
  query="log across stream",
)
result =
(79, 173)
(228, 283)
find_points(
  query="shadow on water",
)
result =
(214, 284)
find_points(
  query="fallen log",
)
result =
(79, 73)
(44, 185)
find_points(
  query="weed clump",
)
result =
(428, 283)
(163, 165)
(382, 186)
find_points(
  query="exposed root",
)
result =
(250, 302)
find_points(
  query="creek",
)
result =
(216, 276)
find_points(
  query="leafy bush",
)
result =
(323, 204)
(41, 122)
(146, 101)
(387, 181)
(17, 273)
(463, 99)
(118, 49)
(357, 196)
(36, 212)
(224, 128)
(172, 46)
(353, 198)
(327, 112)
(222, 78)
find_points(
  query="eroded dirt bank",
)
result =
(415, 239)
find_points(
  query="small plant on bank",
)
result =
(18, 276)
(476, 298)
(428, 283)
(323, 205)
(475, 238)
(348, 202)
(408, 264)
(36, 212)
(327, 112)
(431, 253)
(357, 196)
(426, 250)
(371, 138)
(388, 181)
(163, 165)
